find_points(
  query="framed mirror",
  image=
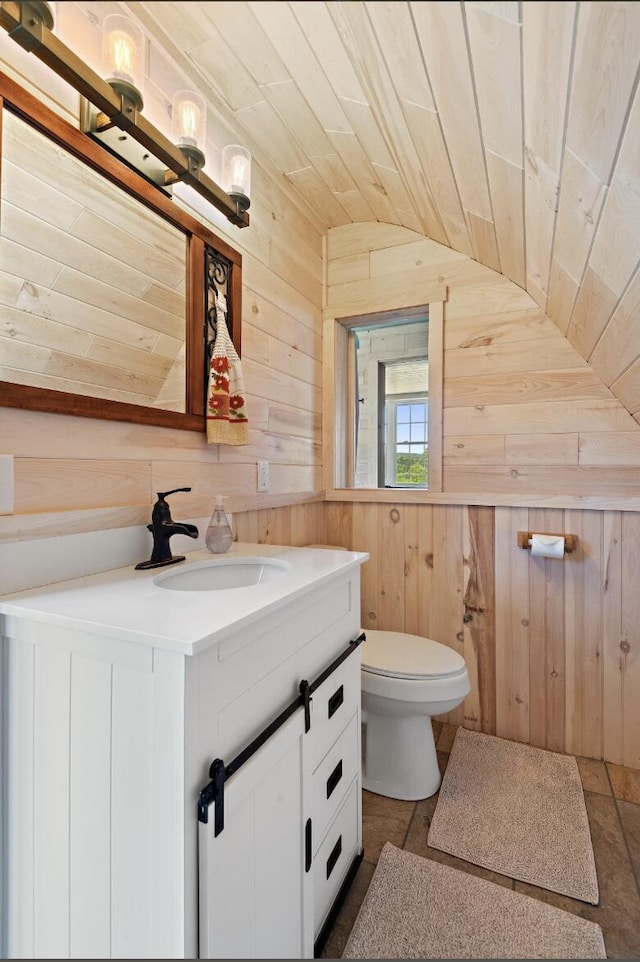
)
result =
(105, 294)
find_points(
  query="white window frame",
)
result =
(391, 442)
(339, 402)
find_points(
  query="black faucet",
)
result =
(162, 527)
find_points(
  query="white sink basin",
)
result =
(222, 573)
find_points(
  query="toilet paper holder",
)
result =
(570, 540)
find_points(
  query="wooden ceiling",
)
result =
(508, 131)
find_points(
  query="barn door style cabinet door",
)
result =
(109, 738)
(283, 835)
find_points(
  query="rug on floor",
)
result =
(517, 810)
(416, 908)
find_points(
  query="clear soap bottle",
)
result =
(218, 537)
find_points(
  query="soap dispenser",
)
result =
(218, 537)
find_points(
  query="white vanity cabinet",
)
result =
(110, 726)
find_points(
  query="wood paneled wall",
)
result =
(552, 646)
(525, 417)
(74, 474)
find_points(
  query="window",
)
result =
(390, 372)
(406, 442)
(382, 403)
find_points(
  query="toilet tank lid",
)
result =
(397, 653)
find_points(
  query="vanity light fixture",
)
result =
(236, 174)
(111, 110)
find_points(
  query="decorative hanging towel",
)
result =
(226, 407)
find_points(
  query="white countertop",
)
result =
(126, 604)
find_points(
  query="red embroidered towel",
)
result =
(226, 407)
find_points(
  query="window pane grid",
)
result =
(407, 436)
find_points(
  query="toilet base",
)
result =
(399, 756)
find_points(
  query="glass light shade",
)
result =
(189, 118)
(236, 173)
(122, 50)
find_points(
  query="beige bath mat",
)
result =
(419, 909)
(517, 810)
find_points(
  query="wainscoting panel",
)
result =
(552, 646)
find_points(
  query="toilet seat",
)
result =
(393, 654)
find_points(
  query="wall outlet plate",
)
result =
(263, 475)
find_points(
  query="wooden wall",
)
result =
(551, 646)
(74, 474)
(525, 417)
(531, 437)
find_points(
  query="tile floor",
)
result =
(612, 795)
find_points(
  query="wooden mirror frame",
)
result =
(19, 102)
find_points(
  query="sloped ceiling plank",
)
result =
(507, 9)
(616, 249)
(507, 196)
(352, 21)
(594, 304)
(627, 389)
(311, 185)
(495, 54)
(285, 35)
(441, 35)
(398, 45)
(280, 22)
(483, 239)
(269, 130)
(393, 26)
(606, 66)
(604, 76)
(547, 41)
(619, 346)
(581, 198)
(237, 26)
(335, 173)
(224, 71)
(426, 132)
(350, 150)
(297, 117)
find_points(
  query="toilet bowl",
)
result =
(405, 680)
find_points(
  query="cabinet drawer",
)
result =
(333, 777)
(335, 855)
(332, 705)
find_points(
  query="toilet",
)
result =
(405, 680)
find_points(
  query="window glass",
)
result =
(391, 378)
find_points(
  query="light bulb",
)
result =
(236, 173)
(122, 49)
(189, 114)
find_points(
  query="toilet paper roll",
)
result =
(547, 546)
